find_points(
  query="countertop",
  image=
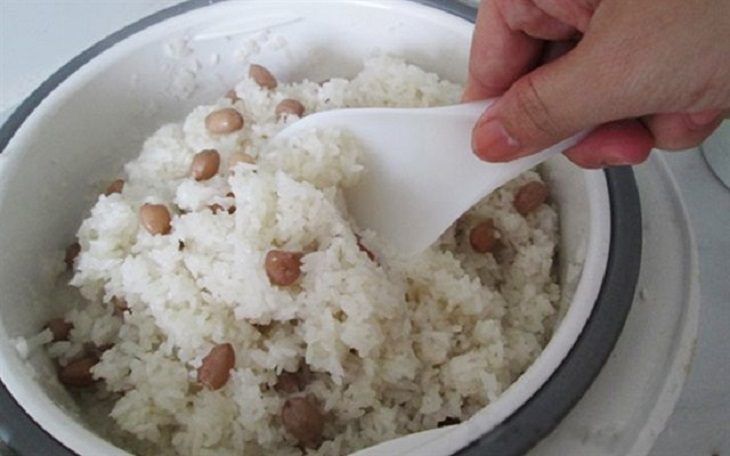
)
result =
(38, 36)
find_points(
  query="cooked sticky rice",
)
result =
(390, 344)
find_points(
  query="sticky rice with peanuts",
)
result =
(230, 305)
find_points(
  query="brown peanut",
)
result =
(78, 373)
(216, 368)
(530, 196)
(205, 164)
(59, 328)
(282, 267)
(262, 76)
(96, 350)
(483, 237)
(222, 121)
(155, 218)
(289, 106)
(303, 419)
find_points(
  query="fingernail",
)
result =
(491, 142)
(702, 119)
(611, 162)
(619, 156)
(612, 158)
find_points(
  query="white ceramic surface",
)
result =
(699, 423)
(95, 121)
(628, 405)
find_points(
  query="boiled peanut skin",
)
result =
(262, 76)
(482, 237)
(282, 267)
(289, 106)
(78, 373)
(302, 419)
(205, 164)
(223, 121)
(215, 370)
(529, 197)
(60, 329)
(155, 218)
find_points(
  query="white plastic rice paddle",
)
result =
(420, 171)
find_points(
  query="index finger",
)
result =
(499, 55)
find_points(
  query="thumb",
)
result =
(547, 105)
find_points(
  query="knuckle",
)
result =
(532, 112)
(520, 14)
(525, 16)
(488, 79)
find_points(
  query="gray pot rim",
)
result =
(540, 414)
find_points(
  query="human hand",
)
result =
(641, 73)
